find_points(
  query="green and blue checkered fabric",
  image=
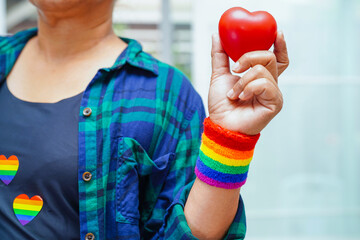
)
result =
(140, 144)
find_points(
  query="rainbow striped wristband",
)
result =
(224, 156)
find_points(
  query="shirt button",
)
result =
(87, 112)
(87, 176)
(89, 236)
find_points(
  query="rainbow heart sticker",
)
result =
(26, 209)
(8, 168)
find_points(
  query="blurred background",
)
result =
(304, 182)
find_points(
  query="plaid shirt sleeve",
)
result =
(176, 226)
(186, 142)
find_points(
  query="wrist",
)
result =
(230, 126)
(224, 156)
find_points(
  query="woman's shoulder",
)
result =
(169, 80)
(178, 90)
(174, 89)
(19, 39)
(4, 42)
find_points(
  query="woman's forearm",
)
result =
(210, 211)
(221, 169)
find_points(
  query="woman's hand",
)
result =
(246, 104)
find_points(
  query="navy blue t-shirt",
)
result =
(38, 168)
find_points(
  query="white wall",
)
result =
(304, 182)
(2, 17)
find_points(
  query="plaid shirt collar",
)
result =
(130, 55)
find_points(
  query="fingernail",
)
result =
(236, 67)
(230, 94)
(282, 33)
(242, 95)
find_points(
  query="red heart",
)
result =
(242, 31)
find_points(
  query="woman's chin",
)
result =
(61, 5)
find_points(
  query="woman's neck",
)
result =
(65, 34)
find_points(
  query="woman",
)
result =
(99, 140)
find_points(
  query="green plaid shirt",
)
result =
(140, 144)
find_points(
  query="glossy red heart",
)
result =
(242, 31)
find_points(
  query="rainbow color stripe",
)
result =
(8, 168)
(224, 156)
(27, 209)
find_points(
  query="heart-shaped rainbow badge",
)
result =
(8, 168)
(26, 209)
